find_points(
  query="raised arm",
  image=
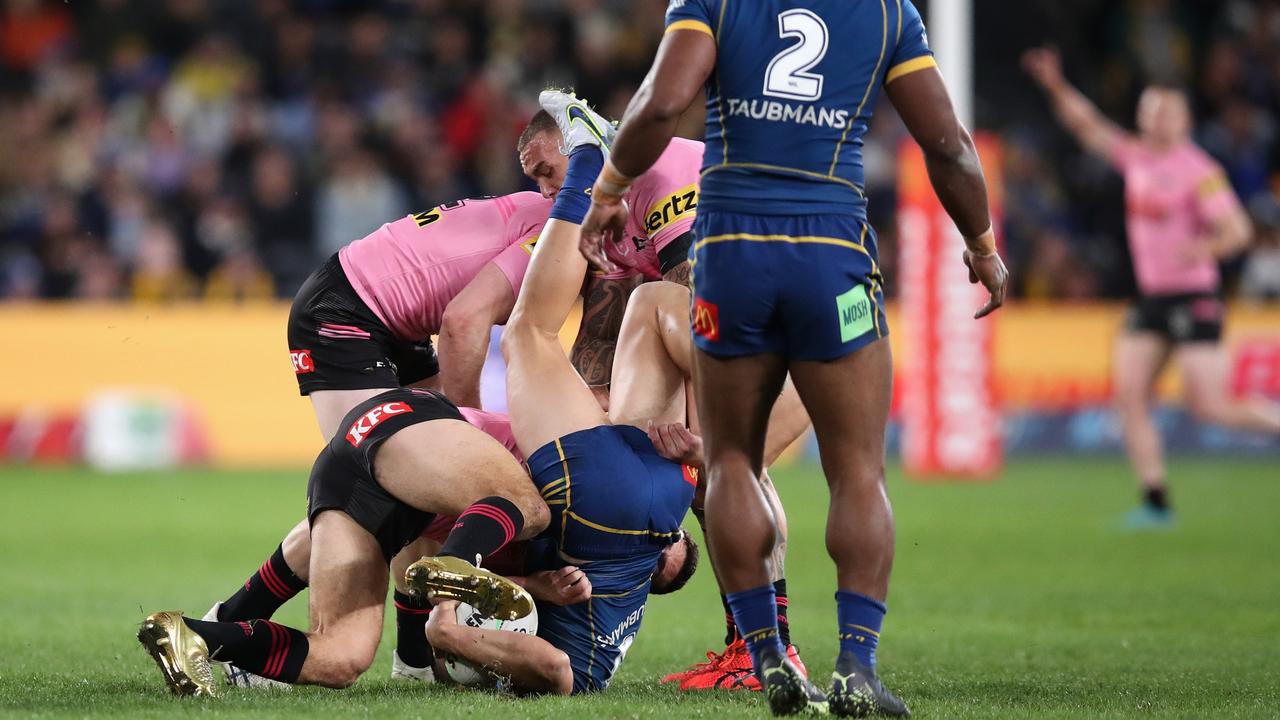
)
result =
(464, 333)
(1081, 118)
(955, 171)
(685, 59)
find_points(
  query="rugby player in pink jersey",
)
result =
(562, 150)
(1182, 219)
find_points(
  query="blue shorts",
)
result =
(611, 495)
(807, 287)
(615, 504)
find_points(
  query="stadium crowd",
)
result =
(159, 150)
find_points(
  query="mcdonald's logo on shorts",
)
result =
(706, 319)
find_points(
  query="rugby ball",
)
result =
(464, 673)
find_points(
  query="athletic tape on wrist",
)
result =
(983, 245)
(611, 185)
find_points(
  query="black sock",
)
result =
(264, 592)
(784, 625)
(259, 646)
(411, 631)
(1156, 497)
(483, 529)
(730, 627)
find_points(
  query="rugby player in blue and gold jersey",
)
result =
(786, 278)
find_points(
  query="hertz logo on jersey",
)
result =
(678, 205)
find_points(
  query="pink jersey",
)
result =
(1173, 198)
(663, 202)
(407, 271)
(495, 425)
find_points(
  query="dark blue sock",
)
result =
(755, 612)
(860, 621)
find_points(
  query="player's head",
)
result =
(540, 156)
(1164, 114)
(676, 565)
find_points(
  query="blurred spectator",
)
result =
(356, 199)
(1260, 279)
(158, 275)
(198, 148)
(240, 278)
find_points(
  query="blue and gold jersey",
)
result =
(792, 95)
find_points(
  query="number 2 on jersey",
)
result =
(788, 73)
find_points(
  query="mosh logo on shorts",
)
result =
(706, 319)
(678, 205)
(372, 419)
(854, 311)
(302, 363)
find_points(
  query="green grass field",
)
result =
(1018, 599)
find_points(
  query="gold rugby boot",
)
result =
(450, 578)
(182, 655)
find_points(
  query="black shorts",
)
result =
(343, 476)
(337, 343)
(1193, 317)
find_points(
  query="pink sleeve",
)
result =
(514, 262)
(1214, 196)
(1124, 153)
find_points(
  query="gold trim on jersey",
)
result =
(724, 133)
(924, 62)
(783, 168)
(690, 25)
(884, 46)
(564, 465)
(616, 531)
(793, 239)
(591, 624)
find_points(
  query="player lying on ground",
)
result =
(650, 388)
(616, 504)
(1183, 219)
(563, 149)
(787, 280)
(405, 454)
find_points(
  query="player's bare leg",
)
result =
(1139, 359)
(649, 384)
(421, 466)
(1204, 373)
(348, 592)
(848, 401)
(546, 397)
(734, 398)
(349, 587)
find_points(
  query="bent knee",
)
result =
(536, 516)
(343, 673)
(659, 296)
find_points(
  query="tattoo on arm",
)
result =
(603, 306)
(681, 274)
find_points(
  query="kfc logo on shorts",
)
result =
(706, 319)
(372, 419)
(302, 363)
